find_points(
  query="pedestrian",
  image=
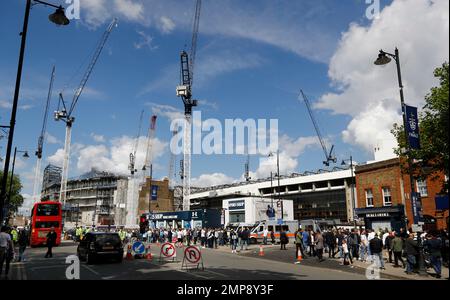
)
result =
(312, 250)
(195, 236)
(397, 248)
(330, 241)
(306, 240)
(299, 243)
(6, 250)
(347, 259)
(356, 240)
(245, 234)
(14, 235)
(234, 240)
(319, 245)
(216, 237)
(51, 242)
(203, 237)
(376, 249)
(283, 239)
(180, 238)
(23, 243)
(265, 233)
(433, 246)
(210, 238)
(272, 237)
(412, 250)
(388, 245)
(339, 238)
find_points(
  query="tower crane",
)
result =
(329, 156)
(149, 154)
(172, 176)
(134, 150)
(184, 90)
(37, 174)
(65, 114)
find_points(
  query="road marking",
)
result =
(217, 273)
(47, 267)
(93, 271)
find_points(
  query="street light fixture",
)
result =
(383, 59)
(59, 18)
(271, 154)
(353, 185)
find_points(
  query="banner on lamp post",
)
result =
(154, 193)
(412, 127)
(417, 208)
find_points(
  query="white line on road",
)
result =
(93, 271)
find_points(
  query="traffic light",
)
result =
(143, 224)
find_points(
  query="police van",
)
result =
(257, 232)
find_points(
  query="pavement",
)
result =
(219, 264)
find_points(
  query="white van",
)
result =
(257, 233)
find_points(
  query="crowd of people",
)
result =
(402, 247)
(10, 239)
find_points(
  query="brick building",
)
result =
(383, 194)
(158, 198)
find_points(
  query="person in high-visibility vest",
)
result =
(15, 235)
(122, 234)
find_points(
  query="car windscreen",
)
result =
(102, 239)
(49, 224)
(47, 210)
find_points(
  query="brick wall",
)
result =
(164, 202)
(388, 174)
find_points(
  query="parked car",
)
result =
(100, 245)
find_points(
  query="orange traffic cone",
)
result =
(129, 255)
(149, 253)
(261, 250)
(299, 257)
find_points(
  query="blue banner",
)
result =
(441, 202)
(412, 126)
(154, 193)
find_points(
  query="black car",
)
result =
(96, 245)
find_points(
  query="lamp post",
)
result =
(383, 59)
(353, 185)
(25, 155)
(59, 18)
(278, 175)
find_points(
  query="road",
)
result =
(219, 264)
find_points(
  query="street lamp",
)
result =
(383, 59)
(344, 162)
(278, 175)
(25, 155)
(59, 18)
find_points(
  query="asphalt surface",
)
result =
(218, 264)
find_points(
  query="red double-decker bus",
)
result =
(44, 216)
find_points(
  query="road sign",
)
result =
(168, 251)
(138, 248)
(192, 258)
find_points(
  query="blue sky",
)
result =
(253, 58)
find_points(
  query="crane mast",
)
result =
(329, 157)
(148, 164)
(171, 175)
(185, 92)
(65, 114)
(132, 164)
(37, 174)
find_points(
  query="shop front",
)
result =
(380, 218)
(185, 219)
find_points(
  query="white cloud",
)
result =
(292, 26)
(166, 25)
(98, 138)
(369, 93)
(145, 40)
(57, 158)
(8, 105)
(206, 180)
(52, 139)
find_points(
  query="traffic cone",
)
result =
(261, 250)
(299, 257)
(129, 255)
(149, 253)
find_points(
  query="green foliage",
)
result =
(433, 122)
(16, 197)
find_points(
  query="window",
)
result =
(369, 198)
(422, 188)
(387, 199)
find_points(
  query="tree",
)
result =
(16, 197)
(433, 156)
